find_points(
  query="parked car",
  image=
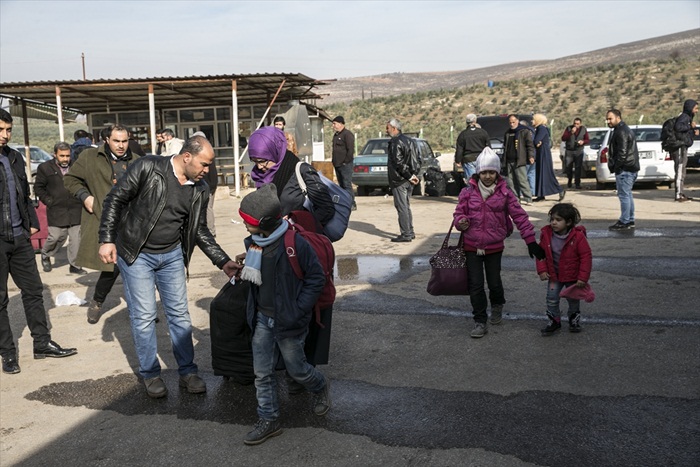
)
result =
(655, 164)
(694, 153)
(590, 150)
(370, 166)
(37, 155)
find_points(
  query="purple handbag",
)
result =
(448, 275)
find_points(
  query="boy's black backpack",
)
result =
(669, 139)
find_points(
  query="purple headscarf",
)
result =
(270, 144)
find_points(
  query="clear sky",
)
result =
(43, 40)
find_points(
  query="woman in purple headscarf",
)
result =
(273, 163)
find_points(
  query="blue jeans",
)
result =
(266, 348)
(469, 170)
(553, 290)
(166, 272)
(531, 176)
(625, 182)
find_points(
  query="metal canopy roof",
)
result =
(170, 92)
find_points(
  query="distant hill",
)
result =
(680, 45)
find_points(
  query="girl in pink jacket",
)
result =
(485, 214)
(568, 262)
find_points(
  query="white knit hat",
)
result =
(488, 160)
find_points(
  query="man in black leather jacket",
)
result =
(403, 167)
(151, 221)
(623, 161)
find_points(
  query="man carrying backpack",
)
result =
(280, 307)
(683, 129)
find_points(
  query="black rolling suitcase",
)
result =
(231, 353)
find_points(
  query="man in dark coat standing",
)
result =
(685, 129)
(403, 165)
(63, 210)
(343, 155)
(17, 224)
(470, 143)
(518, 151)
(575, 137)
(623, 161)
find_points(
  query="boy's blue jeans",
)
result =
(553, 299)
(266, 348)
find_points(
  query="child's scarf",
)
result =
(253, 258)
(486, 192)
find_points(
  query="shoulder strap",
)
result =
(291, 249)
(300, 179)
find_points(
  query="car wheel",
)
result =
(600, 185)
(418, 189)
(362, 190)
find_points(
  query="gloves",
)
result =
(535, 251)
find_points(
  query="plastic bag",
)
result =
(69, 298)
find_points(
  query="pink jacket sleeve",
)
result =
(520, 218)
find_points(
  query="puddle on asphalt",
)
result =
(376, 269)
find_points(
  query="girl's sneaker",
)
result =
(551, 328)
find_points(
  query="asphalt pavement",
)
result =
(409, 386)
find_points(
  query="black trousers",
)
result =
(476, 265)
(104, 284)
(17, 259)
(574, 166)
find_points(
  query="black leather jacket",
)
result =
(622, 150)
(26, 208)
(404, 161)
(136, 202)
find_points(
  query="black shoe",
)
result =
(568, 185)
(322, 400)
(538, 199)
(94, 311)
(263, 430)
(575, 322)
(155, 387)
(354, 206)
(54, 350)
(621, 226)
(401, 239)
(46, 263)
(10, 365)
(551, 328)
(78, 271)
(562, 194)
(578, 187)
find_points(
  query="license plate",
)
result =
(646, 155)
(378, 169)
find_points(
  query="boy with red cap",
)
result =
(279, 310)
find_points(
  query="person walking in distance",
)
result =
(623, 161)
(18, 223)
(343, 155)
(63, 210)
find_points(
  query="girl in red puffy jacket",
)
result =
(568, 262)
